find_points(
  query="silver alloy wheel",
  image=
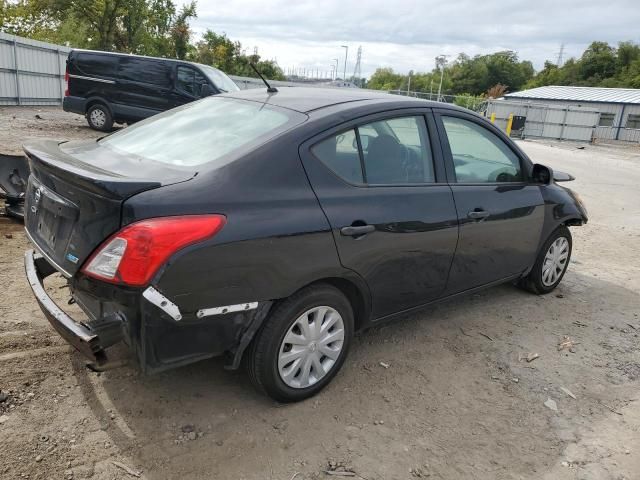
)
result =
(311, 347)
(555, 261)
(98, 117)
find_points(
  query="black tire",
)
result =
(262, 356)
(99, 117)
(534, 281)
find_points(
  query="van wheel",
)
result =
(99, 118)
(302, 345)
(551, 264)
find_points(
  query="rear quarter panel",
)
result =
(275, 241)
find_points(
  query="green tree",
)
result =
(180, 31)
(598, 62)
(385, 79)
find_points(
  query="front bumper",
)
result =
(77, 334)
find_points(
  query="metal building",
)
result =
(572, 113)
(31, 72)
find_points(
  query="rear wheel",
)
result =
(302, 345)
(551, 264)
(99, 117)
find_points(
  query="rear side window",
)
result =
(143, 70)
(340, 153)
(90, 65)
(479, 156)
(207, 131)
(390, 152)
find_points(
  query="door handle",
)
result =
(478, 214)
(358, 230)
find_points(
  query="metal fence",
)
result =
(31, 72)
(477, 104)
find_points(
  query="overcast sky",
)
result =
(408, 34)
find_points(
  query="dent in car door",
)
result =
(500, 214)
(399, 235)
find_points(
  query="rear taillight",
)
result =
(134, 254)
(66, 82)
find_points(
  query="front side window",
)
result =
(185, 80)
(480, 156)
(393, 152)
(202, 132)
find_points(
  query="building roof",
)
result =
(581, 94)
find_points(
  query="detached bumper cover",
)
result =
(76, 334)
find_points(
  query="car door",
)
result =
(383, 189)
(500, 213)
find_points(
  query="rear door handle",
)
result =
(478, 214)
(357, 230)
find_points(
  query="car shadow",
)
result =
(433, 356)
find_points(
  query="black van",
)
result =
(113, 87)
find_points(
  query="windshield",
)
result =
(219, 79)
(203, 132)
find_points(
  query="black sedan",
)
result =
(268, 227)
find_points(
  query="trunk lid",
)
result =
(75, 194)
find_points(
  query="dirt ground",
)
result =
(456, 397)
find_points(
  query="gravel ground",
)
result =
(456, 397)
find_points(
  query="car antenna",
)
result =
(270, 89)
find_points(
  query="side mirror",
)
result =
(541, 174)
(206, 90)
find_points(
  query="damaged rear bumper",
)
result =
(77, 334)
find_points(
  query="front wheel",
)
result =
(551, 264)
(302, 345)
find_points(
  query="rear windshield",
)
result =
(202, 132)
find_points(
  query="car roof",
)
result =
(308, 99)
(133, 55)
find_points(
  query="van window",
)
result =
(189, 80)
(206, 131)
(91, 64)
(144, 70)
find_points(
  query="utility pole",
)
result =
(441, 61)
(335, 71)
(409, 83)
(357, 71)
(560, 55)
(346, 53)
